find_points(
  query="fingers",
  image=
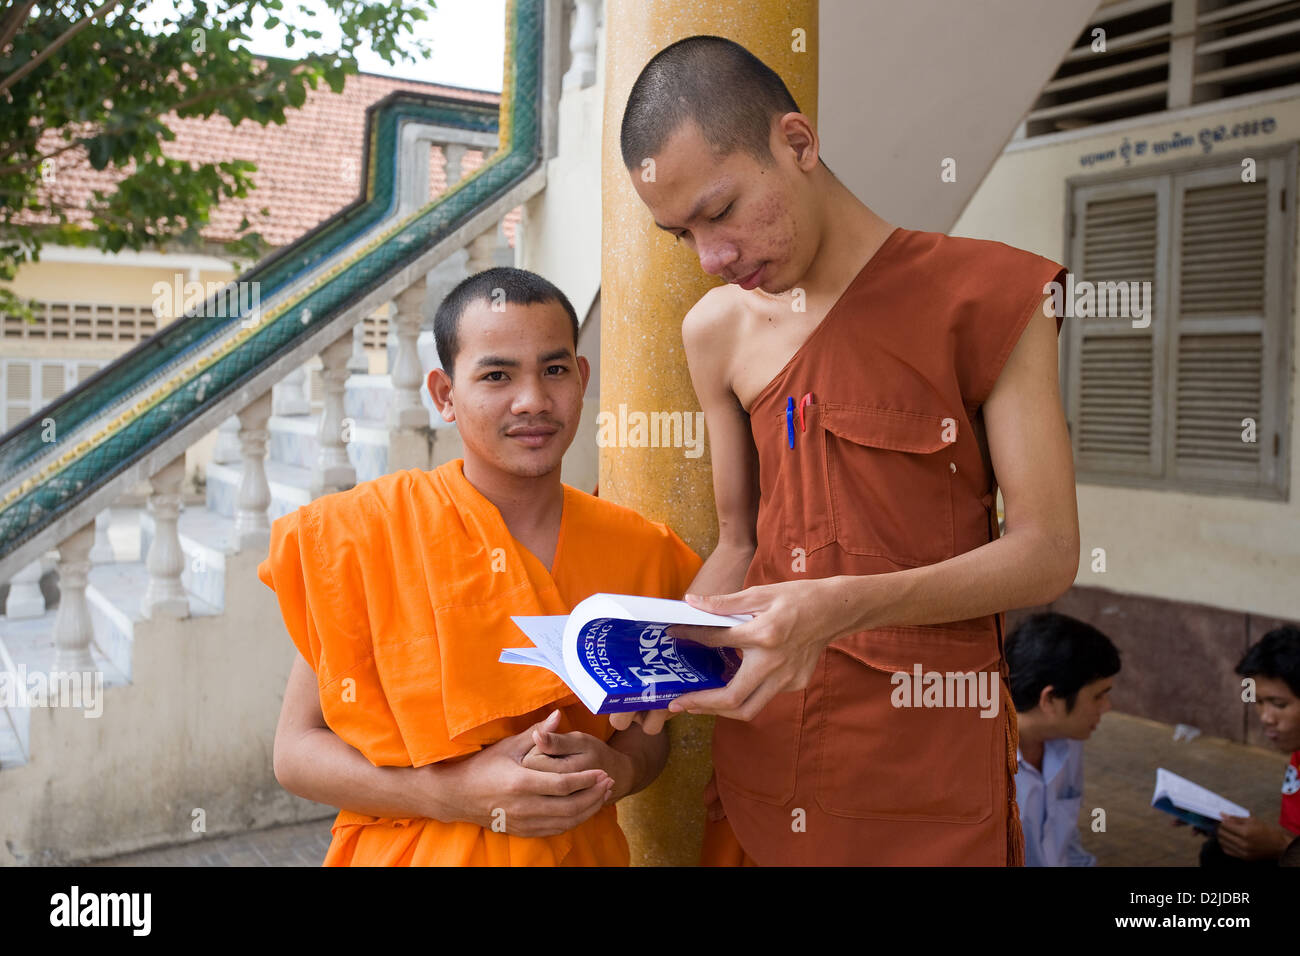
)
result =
(622, 721)
(547, 784)
(559, 814)
(654, 721)
(521, 743)
(745, 601)
(708, 635)
(727, 701)
(559, 745)
(565, 763)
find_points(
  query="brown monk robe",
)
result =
(888, 471)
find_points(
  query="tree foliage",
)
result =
(83, 79)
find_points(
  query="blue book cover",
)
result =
(616, 652)
(640, 666)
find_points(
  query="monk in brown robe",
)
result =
(867, 390)
(398, 595)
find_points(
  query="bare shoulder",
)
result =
(712, 320)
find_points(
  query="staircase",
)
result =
(166, 658)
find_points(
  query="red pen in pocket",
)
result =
(806, 400)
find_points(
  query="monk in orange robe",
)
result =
(867, 390)
(398, 594)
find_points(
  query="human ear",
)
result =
(439, 385)
(794, 132)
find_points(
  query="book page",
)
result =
(1191, 796)
(547, 634)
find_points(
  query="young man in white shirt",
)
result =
(1062, 672)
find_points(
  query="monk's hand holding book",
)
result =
(493, 787)
(791, 624)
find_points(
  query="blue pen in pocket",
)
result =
(789, 419)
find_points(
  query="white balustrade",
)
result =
(289, 397)
(582, 46)
(25, 598)
(72, 625)
(483, 251)
(406, 409)
(226, 450)
(165, 595)
(333, 471)
(252, 527)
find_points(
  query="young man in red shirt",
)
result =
(1274, 665)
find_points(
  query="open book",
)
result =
(1191, 802)
(614, 651)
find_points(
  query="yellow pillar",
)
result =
(648, 283)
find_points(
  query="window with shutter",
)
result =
(1198, 399)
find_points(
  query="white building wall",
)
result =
(1235, 553)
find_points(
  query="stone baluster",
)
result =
(102, 551)
(252, 528)
(482, 251)
(455, 156)
(582, 46)
(226, 450)
(72, 625)
(333, 471)
(358, 361)
(406, 410)
(165, 595)
(290, 396)
(25, 597)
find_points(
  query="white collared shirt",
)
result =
(1049, 804)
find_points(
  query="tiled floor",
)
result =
(1120, 768)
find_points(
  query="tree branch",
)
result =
(13, 22)
(71, 32)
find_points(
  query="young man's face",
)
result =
(1092, 701)
(516, 395)
(1279, 712)
(748, 223)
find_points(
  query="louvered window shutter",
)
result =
(1225, 327)
(1177, 404)
(18, 391)
(1115, 374)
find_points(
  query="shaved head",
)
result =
(729, 93)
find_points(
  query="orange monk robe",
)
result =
(399, 593)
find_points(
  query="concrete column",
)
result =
(642, 362)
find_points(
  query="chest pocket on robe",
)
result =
(875, 481)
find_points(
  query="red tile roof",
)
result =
(307, 169)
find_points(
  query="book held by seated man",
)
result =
(1191, 802)
(614, 651)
